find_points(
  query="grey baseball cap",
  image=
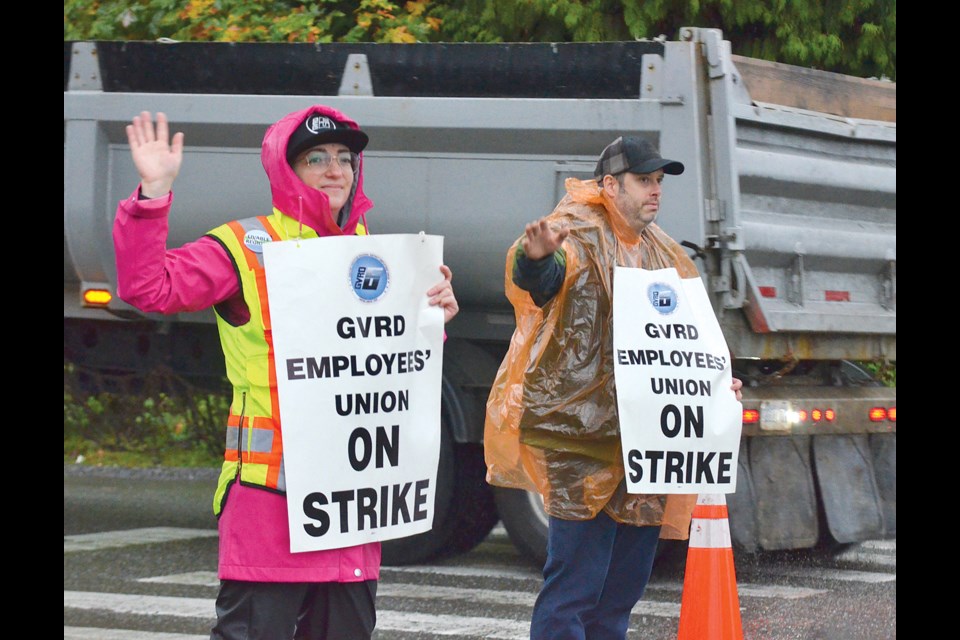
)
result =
(636, 155)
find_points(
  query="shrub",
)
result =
(142, 419)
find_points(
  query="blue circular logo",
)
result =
(368, 277)
(663, 297)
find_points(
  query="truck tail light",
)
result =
(784, 415)
(880, 414)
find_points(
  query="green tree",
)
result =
(247, 20)
(856, 37)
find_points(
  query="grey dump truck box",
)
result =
(788, 203)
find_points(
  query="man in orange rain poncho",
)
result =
(552, 424)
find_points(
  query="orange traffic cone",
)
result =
(710, 608)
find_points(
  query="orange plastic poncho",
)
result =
(551, 419)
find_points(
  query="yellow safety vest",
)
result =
(254, 446)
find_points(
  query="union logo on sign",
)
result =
(662, 297)
(369, 277)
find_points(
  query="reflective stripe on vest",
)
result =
(257, 440)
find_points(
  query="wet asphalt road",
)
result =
(118, 585)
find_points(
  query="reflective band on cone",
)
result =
(710, 532)
(710, 608)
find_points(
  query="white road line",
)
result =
(192, 578)
(387, 620)
(139, 604)
(93, 633)
(130, 537)
(407, 590)
(508, 573)
(774, 591)
(752, 590)
(873, 558)
(516, 598)
(448, 625)
(880, 545)
(386, 587)
(486, 596)
(840, 574)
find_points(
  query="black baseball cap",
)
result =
(320, 129)
(636, 155)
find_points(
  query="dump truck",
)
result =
(787, 205)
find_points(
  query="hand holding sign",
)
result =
(442, 295)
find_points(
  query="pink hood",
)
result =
(296, 199)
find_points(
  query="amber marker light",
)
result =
(97, 297)
(878, 414)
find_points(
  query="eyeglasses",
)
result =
(322, 160)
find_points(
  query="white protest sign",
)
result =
(679, 420)
(358, 356)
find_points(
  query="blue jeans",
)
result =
(596, 572)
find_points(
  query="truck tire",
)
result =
(475, 509)
(427, 545)
(464, 508)
(522, 515)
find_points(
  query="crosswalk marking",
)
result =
(396, 583)
(192, 578)
(95, 633)
(209, 579)
(876, 554)
(750, 590)
(499, 597)
(387, 620)
(500, 573)
(388, 589)
(140, 604)
(843, 575)
(130, 537)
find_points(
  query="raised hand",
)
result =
(156, 156)
(542, 239)
(442, 295)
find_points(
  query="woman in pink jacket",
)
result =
(313, 159)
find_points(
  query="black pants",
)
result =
(295, 610)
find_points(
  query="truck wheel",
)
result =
(427, 545)
(525, 520)
(527, 524)
(464, 509)
(474, 512)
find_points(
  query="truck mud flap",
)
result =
(743, 513)
(848, 487)
(884, 449)
(786, 503)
